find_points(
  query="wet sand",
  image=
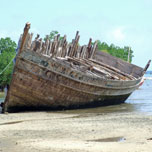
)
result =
(119, 128)
(89, 130)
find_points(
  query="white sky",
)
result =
(123, 23)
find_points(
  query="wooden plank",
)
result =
(37, 46)
(54, 47)
(28, 42)
(78, 52)
(146, 67)
(120, 76)
(117, 63)
(114, 69)
(64, 47)
(33, 46)
(47, 45)
(89, 48)
(93, 68)
(93, 49)
(84, 51)
(74, 44)
(25, 33)
(49, 49)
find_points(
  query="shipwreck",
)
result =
(60, 75)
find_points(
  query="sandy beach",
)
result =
(76, 131)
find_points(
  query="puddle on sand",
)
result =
(112, 139)
(9, 123)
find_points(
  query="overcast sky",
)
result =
(123, 23)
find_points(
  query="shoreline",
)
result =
(76, 131)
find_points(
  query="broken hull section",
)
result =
(39, 83)
(61, 75)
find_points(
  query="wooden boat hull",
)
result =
(37, 84)
(58, 75)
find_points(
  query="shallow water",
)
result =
(139, 101)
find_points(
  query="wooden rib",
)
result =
(84, 51)
(93, 49)
(49, 49)
(89, 48)
(64, 46)
(78, 52)
(77, 37)
(43, 48)
(76, 46)
(47, 45)
(25, 33)
(40, 47)
(146, 67)
(30, 41)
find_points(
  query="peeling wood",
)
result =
(60, 74)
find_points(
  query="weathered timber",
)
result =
(26, 29)
(58, 74)
(112, 74)
(89, 48)
(119, 74)
(83, 53)
(101, 71)
(146, 67)
(64, 47)
(114, 69)
(47, 45)
(119, 64)
(93, 49)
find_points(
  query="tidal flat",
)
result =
(120, 128)
(73, 132)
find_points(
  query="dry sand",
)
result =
(75, 132)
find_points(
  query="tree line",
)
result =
(8, 47)
(125, 53)
(7, 52)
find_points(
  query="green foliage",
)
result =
(7, 52)
(52, 35)
(116, 51)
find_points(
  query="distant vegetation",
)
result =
(52, 35)
(116, 51)
(7, 53)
